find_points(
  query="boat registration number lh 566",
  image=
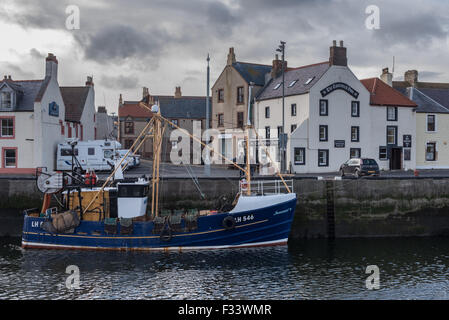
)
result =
(244, 218)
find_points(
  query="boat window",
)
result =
(91, 151)
(133, 191)
(68, 152)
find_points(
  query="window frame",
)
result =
(327, 157)
(240, 125)
(381, 153)
(395, 135)
(267, 112)
(293, 127)
(326, 104)
(434, 151)
(434, 123)
(240, 95)
(3, 93)
(326, 127)
(293, 110)
(357, 114)
(355, 149)
(220, 95)
(220, 120)
(358, 134)
(13, 119)
(16, 157)
(129, 127)
(395, 113)
(299, 163)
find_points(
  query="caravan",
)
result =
(93, 154)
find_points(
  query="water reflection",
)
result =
(313, 269)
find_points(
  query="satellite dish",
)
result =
(50, 183)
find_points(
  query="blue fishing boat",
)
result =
(119, 216)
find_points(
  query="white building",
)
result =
(329, 118)
(33, 120)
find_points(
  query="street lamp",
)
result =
(282, 136)
(207, 160)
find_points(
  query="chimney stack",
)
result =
(178, 92)
(51, 66)
(145, 92)
(231, 57)
(89, 81)
(276, 68)
(120, 101)
(337, 55)
(411, 76)
(387, 77)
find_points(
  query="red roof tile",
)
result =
(384, 95)
(132, 109)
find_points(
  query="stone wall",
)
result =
(362, 208)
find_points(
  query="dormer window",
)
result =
(6, 100)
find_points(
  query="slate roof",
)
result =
(74, 100)
(252, 72)
(183, 107)
(381, 94)
(28, 92)
(301, 74)
(439, 95)
(186, 107)
(425, 103)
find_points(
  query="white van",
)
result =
(93, 154)
(133, 160)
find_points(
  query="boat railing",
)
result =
(263, 187)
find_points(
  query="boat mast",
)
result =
(248, 127)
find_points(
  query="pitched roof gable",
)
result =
(381, 94)
(297, 81)
(74, 100)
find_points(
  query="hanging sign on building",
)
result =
(339, 86)
(407, 141)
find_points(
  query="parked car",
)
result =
(359, 167)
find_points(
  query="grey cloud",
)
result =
(36, 54)
(120, 82)
(16, 72)
(121, 42)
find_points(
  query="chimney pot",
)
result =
(334, 43)
(178, 93)
(411, 76)
(51, 66)
(231, 56)
(387, 77)
(89, 81)
(337, 55)
(145, 92)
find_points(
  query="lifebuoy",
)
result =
(229, 223)
(243, 185)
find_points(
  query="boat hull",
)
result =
(262, 226)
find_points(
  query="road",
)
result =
(187, 171)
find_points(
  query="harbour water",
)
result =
(412, 268)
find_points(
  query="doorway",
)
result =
(396, 159)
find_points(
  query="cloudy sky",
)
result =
(160, 44)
